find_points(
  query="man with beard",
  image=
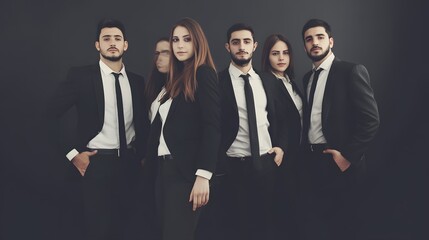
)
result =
(339, 122)
(111, 136)
(254, 139)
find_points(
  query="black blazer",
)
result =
(349, 112)
(192, 129)
(84, 90)
(230, 122)
(293, 119)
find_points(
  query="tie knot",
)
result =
(317, 71)
(245, 77)
(116, 75)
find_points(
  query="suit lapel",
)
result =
(268, 93)
(175, 101)
(285, 91)
(327, 96)
(99, 93)
(228, 92)
(135, 98)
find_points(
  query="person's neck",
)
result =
(245, 69)
(115, 66)
(318, 63)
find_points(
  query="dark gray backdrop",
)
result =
(41, 40)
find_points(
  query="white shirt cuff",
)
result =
(72, 154)
(204, 173)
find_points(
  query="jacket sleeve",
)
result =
(61, 101)
(365, 114)
(208, 100)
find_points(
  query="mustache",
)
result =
(112, 48)
(314, 48)
(242, 52)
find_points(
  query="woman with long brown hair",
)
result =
(185, 134)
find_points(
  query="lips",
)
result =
(112, 49)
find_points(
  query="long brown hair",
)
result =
(156, 79)
(268, 44)
(182, 75)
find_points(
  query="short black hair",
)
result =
(238, 27)
(110, 23)
(316, 23)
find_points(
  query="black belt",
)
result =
(110, 152)
(165, 157)
(244, 159)
(315, 147)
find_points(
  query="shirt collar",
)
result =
(235, 72)
(107, 70)
(283, 78)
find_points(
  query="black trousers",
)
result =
(176, 219)
(112, 199)
(247, 196)
(285, 199)
(328, 198)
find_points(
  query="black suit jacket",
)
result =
(230, 122)
(349, 112)
(84, 90)
(192, 129)
(293, 119)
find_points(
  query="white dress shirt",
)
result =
(315, 133)
(241, 145)
(155, 105)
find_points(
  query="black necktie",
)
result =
(251, 119)
(121, 120)
(307, 115)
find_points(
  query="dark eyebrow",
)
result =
(165, 51)
(111, 36)
(183, 36)
(238, 39)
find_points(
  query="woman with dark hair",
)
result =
(277, 59)
(185, 134)
(155, 86)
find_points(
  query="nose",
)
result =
(241, 46)
(315, 42)
(281, 57)
(180, 44)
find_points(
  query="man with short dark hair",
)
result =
(111, 134)
(340, 121)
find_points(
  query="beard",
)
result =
(112, 58)
(319, 57)
(240, 62)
